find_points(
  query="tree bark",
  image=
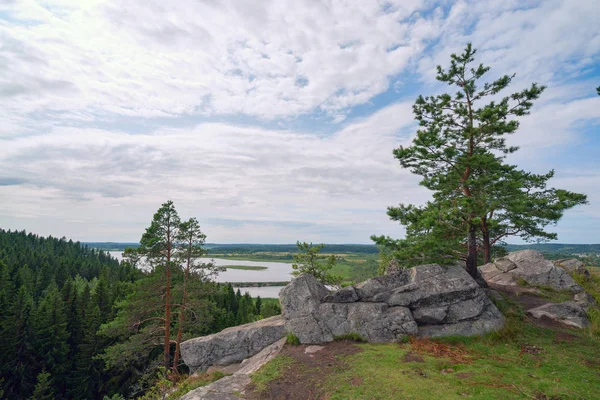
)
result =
(167, 341)
(487, 247)
(472, 252)
(182, 313)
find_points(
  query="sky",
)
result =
(269, 121)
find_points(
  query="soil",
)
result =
(303, 380)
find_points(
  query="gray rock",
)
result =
(453, 285)
(228, 387)
(568, 313)
(308, 330)
(504, 264)
(389, 307)
(585, 300)
(232, 345)
(376, 322)
(531, 267)
(467, 309)
(345, 295)
(301, 296)
(489, 320)
(573, 265)
(430, 315)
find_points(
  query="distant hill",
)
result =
(245, 248)
(249, 248)
(557, 248)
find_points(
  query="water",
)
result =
(275, 272)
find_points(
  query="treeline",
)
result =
(566, 249)
(249, 248)
(287, 248)
(68, 327)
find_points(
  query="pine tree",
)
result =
(459, 152)
(308, 261)
(51, 338)
(17, 354)
(43, 388)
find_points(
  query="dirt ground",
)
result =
(302, 381)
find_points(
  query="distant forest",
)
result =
(65, 319)
(548, 248)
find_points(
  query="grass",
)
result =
(292, 339)
(521, 361)
(352, 337)
(246, 267)
(270, 371)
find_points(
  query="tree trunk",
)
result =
(472, 254)
(167, 342)
(487, 248)
(181, 316)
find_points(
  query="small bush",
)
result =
(352, 336)
(292, 339)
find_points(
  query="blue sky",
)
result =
(269, 121)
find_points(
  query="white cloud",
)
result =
(150, 58)
(78, 78)
(270, 179)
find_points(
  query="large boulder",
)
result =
(232, 345)
(531, 267)
(573, 265)
(428, 300)
(568, 313)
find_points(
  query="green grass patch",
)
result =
(351, 336)
(535, 365)
(270, 371)
(246, 267)
(292, 339)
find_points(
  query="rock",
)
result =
(301, 296)
(585, 300)
(345, 295)
(229, 387)
(573, 265)
(392, 267)
(232, 345)
(569, 313)
(531, 267)
(313, 349)
(389, 307)
(493, 294)
(489, 320)
(505, 264)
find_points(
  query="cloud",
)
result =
(268, 59)
(244, 113)
(217, 171)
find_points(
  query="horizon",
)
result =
(270, 122)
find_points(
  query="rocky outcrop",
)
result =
(573, 265)
(568, 313)
(528, 266)
(232, 345)
(428, 300)
(231, 387)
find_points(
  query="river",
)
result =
(275, 272)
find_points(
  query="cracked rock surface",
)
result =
(427, 300)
